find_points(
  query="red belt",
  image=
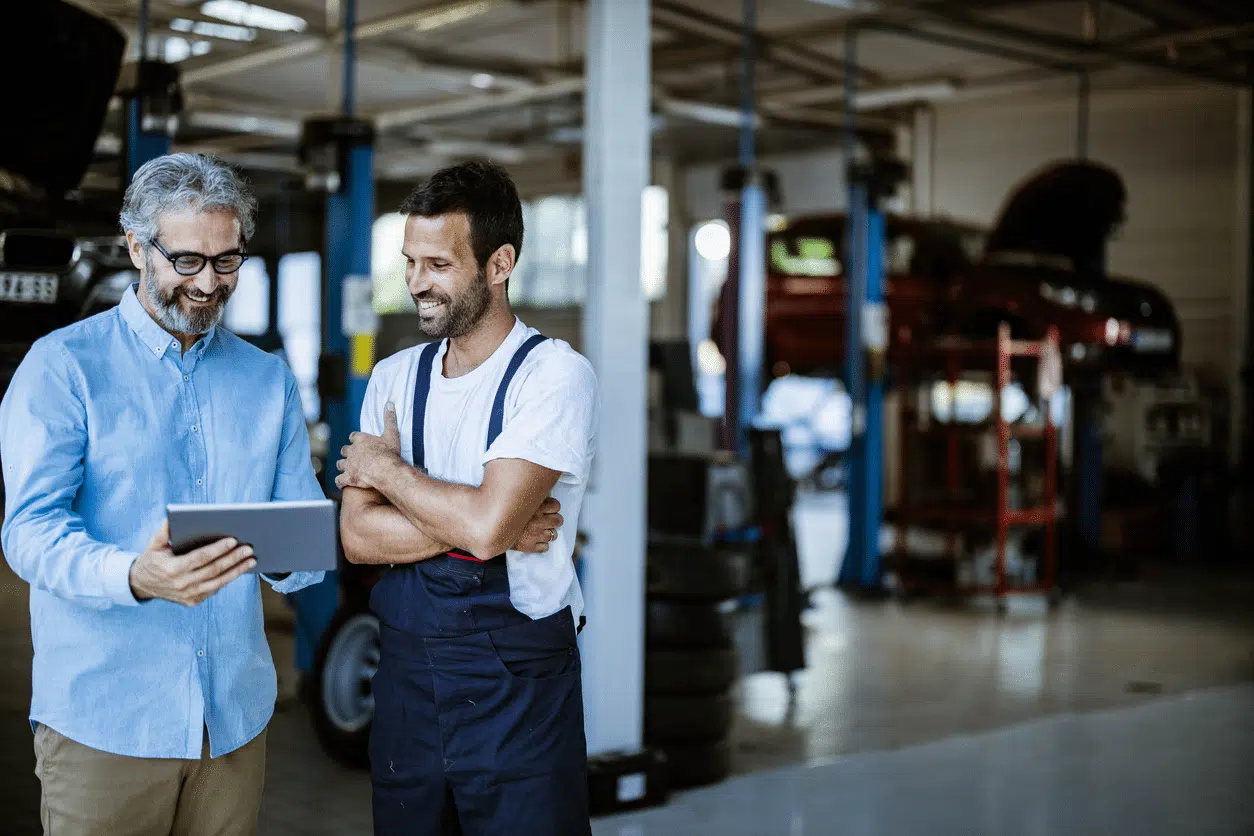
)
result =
(461, 555)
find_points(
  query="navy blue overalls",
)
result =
(478, 723)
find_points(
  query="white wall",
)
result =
(813, 181)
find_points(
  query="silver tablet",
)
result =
(285, 536)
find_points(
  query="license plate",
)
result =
(1151, 339)
(28, 287)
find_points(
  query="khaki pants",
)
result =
(87, 792)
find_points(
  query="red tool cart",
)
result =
(967, 500)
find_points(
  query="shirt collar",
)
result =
(153, 335)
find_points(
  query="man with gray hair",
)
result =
(153, 683)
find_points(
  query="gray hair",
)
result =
(185, 181)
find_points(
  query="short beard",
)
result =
(461, 314)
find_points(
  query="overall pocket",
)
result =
(538, 649)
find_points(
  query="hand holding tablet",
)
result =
(284, 536)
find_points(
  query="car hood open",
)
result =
(1068, 209)
(61, 63)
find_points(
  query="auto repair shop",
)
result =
(924, 456)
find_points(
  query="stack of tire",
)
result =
(690, 661)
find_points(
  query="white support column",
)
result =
(922, 157)
(615, 335)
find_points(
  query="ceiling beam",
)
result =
(807, 62)
(1007, 53)
(970, 23)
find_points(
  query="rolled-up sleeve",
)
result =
(43, 437)
(294, 477)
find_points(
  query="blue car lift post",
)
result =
(337, 153)
(1087, 409)
(153, 101)
(871, 179)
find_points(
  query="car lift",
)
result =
(153, 102)
(872, 180)
(337, 154)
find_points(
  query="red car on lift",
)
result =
(1041, 266)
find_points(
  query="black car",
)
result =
(68, 61)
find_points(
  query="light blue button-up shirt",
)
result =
(104, 423)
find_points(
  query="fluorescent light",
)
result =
(454, 13)
(906, 94)
(208, 29)
(248, 14)
(201, 48)
(701, 112)
(481, 80)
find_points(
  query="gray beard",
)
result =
(170, 314)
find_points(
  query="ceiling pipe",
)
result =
(795, 58)
(471, 105)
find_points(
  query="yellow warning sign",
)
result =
(361, 355)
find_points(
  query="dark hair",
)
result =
(484, 192)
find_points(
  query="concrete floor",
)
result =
(1129, 710)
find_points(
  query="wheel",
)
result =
(697, 764)
(685, 624)
(689, 672)
(696, 573)
(342, 701)
(686, 719)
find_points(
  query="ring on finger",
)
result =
(552, 534)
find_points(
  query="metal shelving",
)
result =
(954, 512)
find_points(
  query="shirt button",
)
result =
(185, 377)
(200, 482)
(200, 653)
(193, 428)
(174, 344)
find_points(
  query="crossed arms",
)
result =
(394, 513)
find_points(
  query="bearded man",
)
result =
(478, 723)
(153, 683)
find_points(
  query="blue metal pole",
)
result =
(857, 232)
(141, 145)
(872, 503)
(349, 221)
(864, 290)
(752, 246)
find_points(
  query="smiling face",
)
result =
(187, 305)
(450, 289)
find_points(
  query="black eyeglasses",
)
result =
(189, 264)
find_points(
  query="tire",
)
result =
(687, 719)
(341, 702)
(697, 573)
(689, 672)
(697, 764)
(683, 624)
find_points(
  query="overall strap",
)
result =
(422, 387)
(496, 421)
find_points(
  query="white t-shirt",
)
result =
(551, 412)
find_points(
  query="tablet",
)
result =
(285, 536)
